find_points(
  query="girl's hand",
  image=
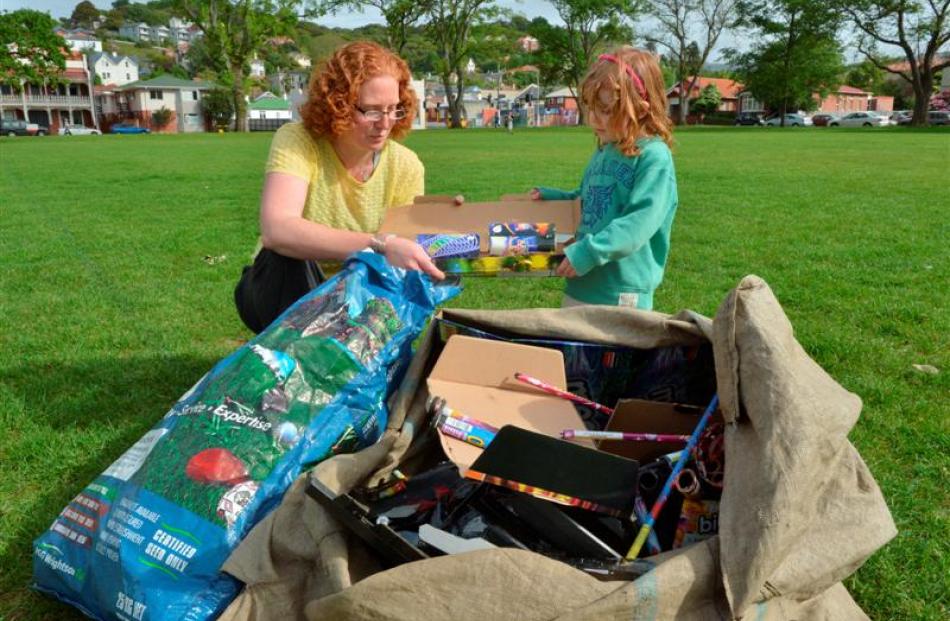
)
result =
(565, 269)
(407, 254)
(535, 194)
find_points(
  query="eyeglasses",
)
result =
(376, 116)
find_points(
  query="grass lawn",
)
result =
(110, 310)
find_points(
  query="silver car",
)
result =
(858, 119)
(78, 130)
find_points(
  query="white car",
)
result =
(78, 130)
(858, 119)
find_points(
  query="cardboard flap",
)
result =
(474, 376)
(438, 214)
(640, 416)
(481, 362)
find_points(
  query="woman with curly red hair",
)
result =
(330, 179)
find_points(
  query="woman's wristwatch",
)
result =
(378, 245)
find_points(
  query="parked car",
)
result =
(19, 127)
(858, 119)
(128, 128)
(791, 120)
(938, 117)
(898, 116)
(748, 118)
(78, 130)
(822, 119)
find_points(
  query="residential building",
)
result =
(728, 89)
(257, 68)
(80, 40)
(114, 69)
(847, 99)
(140, 100)
(68, 103)
(268, 112)
(527, 43)
(181, 31)
(136, 32)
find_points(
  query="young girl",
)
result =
(628, 193)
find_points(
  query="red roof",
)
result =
(74, 74)
(729, 89)
(851, 90)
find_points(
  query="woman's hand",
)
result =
(407, 254)
(565, 269)
(535, 194)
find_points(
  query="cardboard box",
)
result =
(476, 377)
(438, 214)
(640, 416)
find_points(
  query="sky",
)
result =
(528, 8)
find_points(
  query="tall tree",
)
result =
(589, 26)
(688, 31)
(401, 16)
(84, 14)
(31, 52)
(907, 25)
(234, 30)
(796, 56)
(449, 27)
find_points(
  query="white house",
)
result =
(80, 41)
(180, 30)
(269, 106)
(183, 97)
(257, 68)
(114, 69)
(136, 32)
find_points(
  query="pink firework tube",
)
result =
(563, 394)
(668, 487)
(570, 434)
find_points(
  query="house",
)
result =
(80, 40)
(847, 99)
(180, 31)
(268, 112)
(70, 102)
(140, 100)
(527, 43)
(728, 89)
(560, 108)
(257, 68)
(114, 69)
(136, 32)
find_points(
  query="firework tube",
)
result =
(570, 434)
(668, 487)
(563, 394)
(455, 425)
(640, 510)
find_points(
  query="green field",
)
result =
(119, 255)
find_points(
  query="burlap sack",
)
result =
(799, 513)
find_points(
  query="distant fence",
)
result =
(266, 125)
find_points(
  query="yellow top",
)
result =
(334, 197)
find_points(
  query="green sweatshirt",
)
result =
(623, 240)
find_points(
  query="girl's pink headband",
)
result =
(637, 82)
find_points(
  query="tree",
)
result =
(31, 51)
(84, 14)
(218, 107)
(449, 26)
(708, 100)
(161, 117)
(234, 30)
(589, 26)
(865, 75)
(401, 16)
(797, 55)
(688, 31)
(905, 24)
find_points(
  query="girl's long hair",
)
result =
(630, 115)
